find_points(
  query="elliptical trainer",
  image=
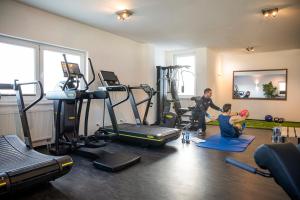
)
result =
(67, 110)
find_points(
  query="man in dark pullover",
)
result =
(200, 111)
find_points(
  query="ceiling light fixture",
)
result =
(124, 14)
(250, 49)
(270, 12)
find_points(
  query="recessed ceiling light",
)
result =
(270, 12)
(250, 49)
(124, 14)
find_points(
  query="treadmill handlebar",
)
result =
(17, 87)
(127, 94)
(147, 89)
(117, 88)
(93, 72)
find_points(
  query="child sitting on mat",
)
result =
(232, 125)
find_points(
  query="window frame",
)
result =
(81, 54)
(174, 61)
(24, 43)
(38, 60)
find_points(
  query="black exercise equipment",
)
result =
(167, 84)
(237, 93)
(148, 100)
(282, 162)
(136, 133)
(67, 110)
(281, 120)
(278, 120)
(169, 120)
(181, 112)
(20, 165)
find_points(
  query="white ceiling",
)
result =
(220, 24)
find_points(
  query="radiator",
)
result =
(40, 123)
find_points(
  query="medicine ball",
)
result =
(268, 118)
(244, 113)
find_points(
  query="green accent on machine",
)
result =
(147, 135)
(261, 124)
(137, 132)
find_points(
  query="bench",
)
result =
(290, 132)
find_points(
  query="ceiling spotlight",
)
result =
(124, 14)
(250, 49)
(270, 12)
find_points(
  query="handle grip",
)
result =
(241, 165)
(6, 86)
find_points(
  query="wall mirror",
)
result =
(260, 84)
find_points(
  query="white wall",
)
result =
(108, 51)
(228, 62)
(213, 72)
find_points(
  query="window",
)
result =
(28, 61)
(52, 67)
(17, 62)
(186, 76)
(282, 88)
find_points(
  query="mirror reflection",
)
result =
(260, 84)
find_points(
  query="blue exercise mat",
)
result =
(227, 144)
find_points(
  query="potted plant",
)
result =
(269, 90)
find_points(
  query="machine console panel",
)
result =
(73, 67)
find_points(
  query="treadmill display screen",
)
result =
(73, 67)
(110, 78)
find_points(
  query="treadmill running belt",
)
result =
(145, 129)
(154, 135)
(14, 155)
(21, 167)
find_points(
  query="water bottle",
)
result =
(187, 137)
(274, 135)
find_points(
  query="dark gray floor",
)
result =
(175, 172)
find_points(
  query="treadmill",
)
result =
(136, 133)
(67, 111)
(20, 165)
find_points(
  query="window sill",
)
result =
(13, 103)
(186, 97)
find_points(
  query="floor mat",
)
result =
(261, 124)
(220, 143)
